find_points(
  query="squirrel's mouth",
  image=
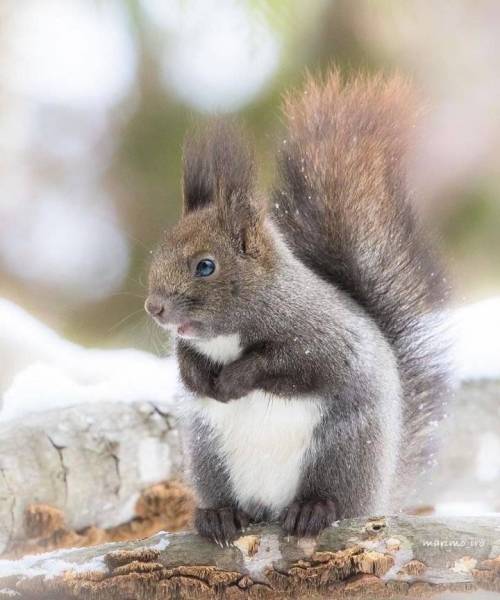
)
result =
(185, 329)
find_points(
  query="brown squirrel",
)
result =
(305, 331)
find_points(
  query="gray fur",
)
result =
(327, 303)
(321, 342)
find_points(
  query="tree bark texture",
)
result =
(380, 557)
(91, 462)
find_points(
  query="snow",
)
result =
(476, 330)
(40, 370)
(50, 564)
(55, 563)
(162, 542)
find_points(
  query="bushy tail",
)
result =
(343, 205)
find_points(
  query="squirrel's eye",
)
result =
(205, 267)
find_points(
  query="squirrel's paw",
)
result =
(233, 382)
(221, 525)
(309, 517)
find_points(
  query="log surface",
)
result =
(391, 557)
(91, 462)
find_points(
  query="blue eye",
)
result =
(205, 268)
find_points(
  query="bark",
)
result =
(390, 557)
(91, 462)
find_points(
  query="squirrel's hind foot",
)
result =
(307, 518)
(221, 525)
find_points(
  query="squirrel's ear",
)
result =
(243, 218)
(235, 177)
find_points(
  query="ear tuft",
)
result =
(197, 173)
(233, 163)
(218, 167)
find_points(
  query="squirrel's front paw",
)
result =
(309, 517)
(221, 525)
(233, 382)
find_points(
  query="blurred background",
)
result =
(96, 95)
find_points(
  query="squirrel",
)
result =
(305, 321)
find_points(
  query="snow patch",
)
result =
(55, 563)
(41, 371)
(476, 331)
(162, 543)
(50, 564)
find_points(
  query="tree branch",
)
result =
(391, 557)
(90, 461)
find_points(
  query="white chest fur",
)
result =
(221, 349)
(264, 438)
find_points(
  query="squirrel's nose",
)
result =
(154, 306)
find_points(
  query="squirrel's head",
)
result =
(205, 271)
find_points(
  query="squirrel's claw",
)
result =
(309, 517)
(221, 525)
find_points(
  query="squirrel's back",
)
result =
(343, 204)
